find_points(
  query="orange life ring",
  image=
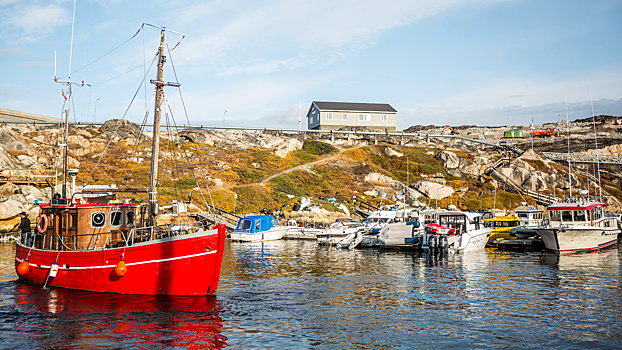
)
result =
(43, 218)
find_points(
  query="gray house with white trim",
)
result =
(336, 115)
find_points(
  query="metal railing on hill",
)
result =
(364, 209)
(28, 176)
(511, 186)
(583, 158)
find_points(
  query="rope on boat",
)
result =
(188, 120)
(122, 118)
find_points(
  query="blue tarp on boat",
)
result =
(256, 223)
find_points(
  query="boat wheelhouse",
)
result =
(501, 225)
(458, 231)
(578, 226)
(529, 217)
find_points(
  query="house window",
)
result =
(329, 116)
(361, 117)
(384, 117)
(344, 116)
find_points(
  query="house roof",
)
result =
(354, 106)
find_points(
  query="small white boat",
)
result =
(456, 231)
(258, 228)
(409, 229)
(578, 226)
(300, 232)
(379, 219)
(338, 232)
(530, 218)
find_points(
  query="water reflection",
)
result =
(296, 294)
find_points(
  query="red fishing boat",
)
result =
(99, 244)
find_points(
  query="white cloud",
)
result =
(11, 52)
(266, 36)
(36, 64)
(29, 21)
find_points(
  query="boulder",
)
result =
(535, 182)
(121, 128)
(379, 178)
(9, 189)
(391, 152)
(450, 159)
(519, 175)
(9, 215)
(27, 161)
(473, 169)
(433, 190)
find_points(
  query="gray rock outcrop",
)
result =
(433, 190)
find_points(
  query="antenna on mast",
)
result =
(600, 191)
(568, 137)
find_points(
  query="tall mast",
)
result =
(153, 192)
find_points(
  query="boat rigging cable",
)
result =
(188, 120)
(600, 190)
(122, 118)
(106, 54)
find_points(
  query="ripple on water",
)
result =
(296, 294)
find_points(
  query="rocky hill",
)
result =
(245, 172)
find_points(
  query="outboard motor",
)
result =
(432, 243)
(442, 242)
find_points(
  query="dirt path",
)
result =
(307, 166)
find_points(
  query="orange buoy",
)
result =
(121, 269)
(23, 268)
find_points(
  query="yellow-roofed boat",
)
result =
(501, 226)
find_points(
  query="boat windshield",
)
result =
(522, 215)
(457, 222)
(245, 225)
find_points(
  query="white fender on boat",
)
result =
(53, 270)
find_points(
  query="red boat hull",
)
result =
(181, 265)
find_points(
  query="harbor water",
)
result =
(296, 294)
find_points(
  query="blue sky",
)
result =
(486, 62)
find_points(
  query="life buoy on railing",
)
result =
(43, 218)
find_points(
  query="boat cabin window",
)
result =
(130, 218)
(98, 219)
(579, 215)
(73, 220)
(457, 222)
(597, 213)
(567, 215)
(522, 215)
(245, 225)
(116, 218)
(257, 225)
(555, 215)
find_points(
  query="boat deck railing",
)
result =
(135, 235)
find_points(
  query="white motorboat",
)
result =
(258, 228)
(578, 226)
(530, 218)
(456, 231)
(295, 231)
(409, 230)
(338, 232)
